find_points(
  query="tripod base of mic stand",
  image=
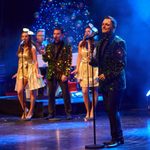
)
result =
(94, 146)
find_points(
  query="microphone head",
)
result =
(94, 29)
(22, 42)
(91, 25)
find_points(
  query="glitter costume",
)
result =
(27, 70)
(85, 70)
(59, 62)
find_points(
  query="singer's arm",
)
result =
(34, 55)
(67, 61)
(46, 55)
(79, 57)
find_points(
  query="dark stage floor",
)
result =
(40, 134)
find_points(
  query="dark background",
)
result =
(133, 25)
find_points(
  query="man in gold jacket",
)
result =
(59, 57)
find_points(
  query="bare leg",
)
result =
(86, 101)
(21, 92)
(32, 103)
(95, 100)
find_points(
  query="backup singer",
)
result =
(83, 72)
(58, 54)
(28, 73)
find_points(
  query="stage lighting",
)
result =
(148, 99)
(148, 93)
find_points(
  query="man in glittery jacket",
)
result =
(110, 57)
(58, 54)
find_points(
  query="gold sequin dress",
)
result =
(85, 70)
(27, 70)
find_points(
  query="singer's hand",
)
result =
(14, 76)
(102, 77)
(64, 78)
(42, 52)
(39, 76)
(74, 72)
(84, 37)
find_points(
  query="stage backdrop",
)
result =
(133, 25)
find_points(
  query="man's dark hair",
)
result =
(60, 29)
(113, 20)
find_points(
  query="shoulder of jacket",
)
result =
(118, 39)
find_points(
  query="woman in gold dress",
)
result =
(84, 73)
(27, 75)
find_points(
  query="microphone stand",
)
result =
(95, 145)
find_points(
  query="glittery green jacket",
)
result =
(59, 64)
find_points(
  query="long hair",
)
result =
(29, 45)
(84, 42)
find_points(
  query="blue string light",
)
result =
(72, 16)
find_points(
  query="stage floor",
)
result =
(40, 134)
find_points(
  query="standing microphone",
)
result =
(94, 29)
(95, 32)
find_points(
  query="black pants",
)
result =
(52, 84)
(112, 100)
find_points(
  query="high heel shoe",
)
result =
(86, 118)
(24, 114)
(29, 117)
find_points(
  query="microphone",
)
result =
(22, 43)
(95, 32)
(94, 29)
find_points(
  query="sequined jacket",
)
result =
(112, 64)
(58, 65)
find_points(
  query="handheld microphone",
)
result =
(22, 43)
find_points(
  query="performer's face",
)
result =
(25, 37)
(88, 32)
(107, 26)
(57, 35)
(40, 36)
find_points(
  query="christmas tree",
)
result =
(72, 15)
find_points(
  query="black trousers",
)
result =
(112, 100)
(52, 84)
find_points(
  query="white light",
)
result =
(93, 28)
(148, 93)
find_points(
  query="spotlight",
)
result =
(148, 93)
(148, 99)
